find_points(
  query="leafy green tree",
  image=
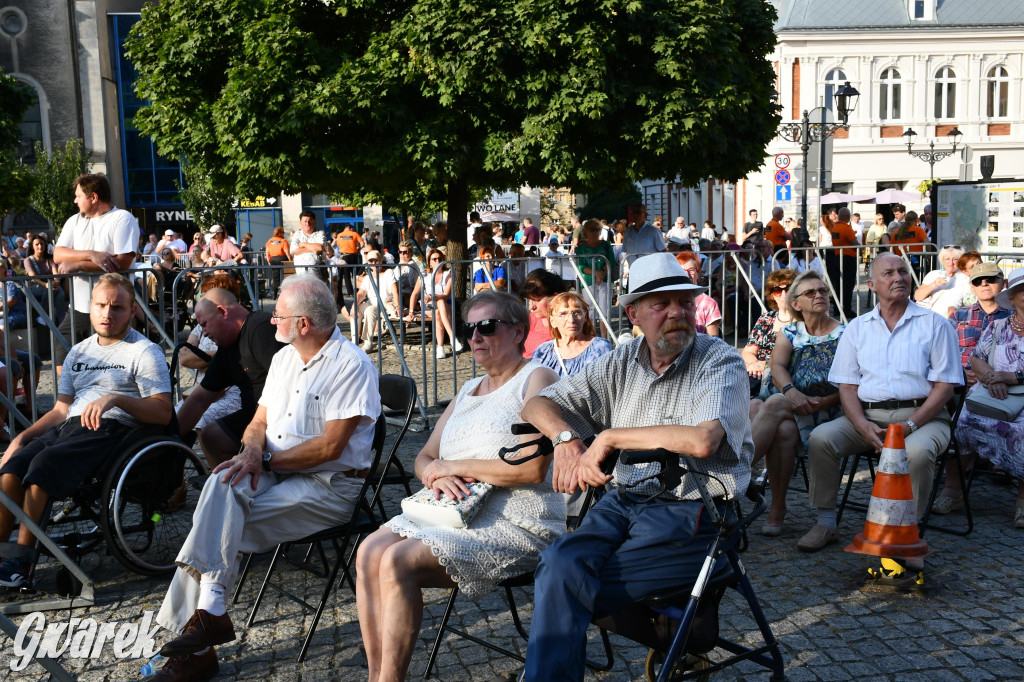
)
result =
(610, 204)
(55, 174)
(382, 97)
(15, 178)
(206, 195)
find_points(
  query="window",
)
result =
(889, 95)
(997, 90)
(834, 80)
(919, 9)
(945, 93)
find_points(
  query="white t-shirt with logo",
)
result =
(134, 366)
(115, 232)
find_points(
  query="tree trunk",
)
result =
(458, 203)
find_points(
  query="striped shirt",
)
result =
(899, 365)
(707, 382)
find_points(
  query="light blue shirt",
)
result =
(648, 239)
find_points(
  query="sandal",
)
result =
(945, 504)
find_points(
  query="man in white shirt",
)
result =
(897, 364)
(100, 238)
(171, 239)
(309, 246)
(303, 460)
(858, 227)
(679, 230)
(708, 232)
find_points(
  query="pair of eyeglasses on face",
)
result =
(403, 253)
(274, 317)
(814, 293)
(566, 314)
(485, 327)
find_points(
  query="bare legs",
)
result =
(391, 574)
(32, 499)
(776, 438)
(444, 324)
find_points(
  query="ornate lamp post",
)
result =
(931, 156)
(805, 133)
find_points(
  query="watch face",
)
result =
(564, 436)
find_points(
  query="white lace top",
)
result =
(506, 538)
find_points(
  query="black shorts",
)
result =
(61, 459)
(234, 424)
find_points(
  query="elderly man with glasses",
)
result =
(301, 467)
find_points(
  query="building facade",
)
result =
(926, 65)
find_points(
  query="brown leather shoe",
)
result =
(189, 668)
(201, 631)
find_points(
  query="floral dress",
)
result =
(809, 366)
(996, 440)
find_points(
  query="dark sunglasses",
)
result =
(779, 290)
(401, 252)
(485, 327)
(987, 279)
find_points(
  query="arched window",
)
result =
(834, 80)
(945, 93)
(889, 95)
(997, 91)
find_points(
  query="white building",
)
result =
(930, 65)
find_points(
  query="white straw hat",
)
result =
(654, 273)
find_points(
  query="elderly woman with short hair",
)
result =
(944, 289)
(573, 342)
(519, 518)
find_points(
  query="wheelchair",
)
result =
(680, 625)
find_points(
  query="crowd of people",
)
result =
(286, 405)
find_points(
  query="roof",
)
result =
(804, 15)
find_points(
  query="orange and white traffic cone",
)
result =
(890, 529)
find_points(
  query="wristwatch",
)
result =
(912, 425)
(266, 461)
(1020, 376)
(564, 437)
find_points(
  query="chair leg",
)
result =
(246, 566)
(440, 633)
(323, 602)
(263, 588)
(849, 484)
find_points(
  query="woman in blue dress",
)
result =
(574, 342)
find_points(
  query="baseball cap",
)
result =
(985, 270)
(215, 229)
(168, 233)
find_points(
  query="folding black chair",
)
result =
(345, 538)
(544, 447)
(398, 396)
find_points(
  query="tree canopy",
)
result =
(377, 98)
(16, 179)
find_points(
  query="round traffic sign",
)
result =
(782, 177)
(782, 160)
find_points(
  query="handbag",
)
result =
(982, 403)
(423, 509)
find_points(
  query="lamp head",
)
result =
(909, 134)
(954, 136)
(846, 101)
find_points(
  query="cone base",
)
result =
(862, 545)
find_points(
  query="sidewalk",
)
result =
(969, 626)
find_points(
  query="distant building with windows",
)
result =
(929, 65)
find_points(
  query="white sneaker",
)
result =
(440, 354)
(458, 347)
(367, 346)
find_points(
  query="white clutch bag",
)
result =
(424, 510)
(982, 403)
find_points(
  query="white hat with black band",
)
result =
(654, 273)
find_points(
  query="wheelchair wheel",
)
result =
(148, 505)
(689, 663)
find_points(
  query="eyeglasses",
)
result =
(400, 252)
(952, 246)
(566, 314)
(987, 279)
(814, 293)
(485, 327)
(779, 290)
(275, 317)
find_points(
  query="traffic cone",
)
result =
(890, 529)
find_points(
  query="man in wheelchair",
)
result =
(300, 470)
(113, 381)
(672, 389)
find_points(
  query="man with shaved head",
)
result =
(245, 346)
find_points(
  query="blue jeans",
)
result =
(621, 553)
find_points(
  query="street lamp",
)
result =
(931, 156)
(806, 133)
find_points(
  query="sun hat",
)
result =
(655, 273)
(1015, 281)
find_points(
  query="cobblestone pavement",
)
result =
(970, 625)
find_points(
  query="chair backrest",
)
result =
(397, 394)
(374, 480)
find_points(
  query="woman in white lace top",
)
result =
(520, 517)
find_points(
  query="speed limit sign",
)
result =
(782, 161)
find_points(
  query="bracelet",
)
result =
(786, 388)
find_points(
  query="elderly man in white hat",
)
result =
(172, 241)
(671, 388)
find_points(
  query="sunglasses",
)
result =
(987, 279)
(779, 290)
(814, 293)
(400, 252)
(485, 327)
